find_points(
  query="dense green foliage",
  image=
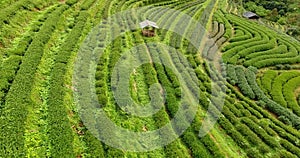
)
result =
(258, 75)
(285, 12)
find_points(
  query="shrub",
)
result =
(18, 97)
(61, 136)
(288, 93)
(242, 82)
(251, 79)
(286, 154)
(230, 130)
(290, 147)
(211, 146)
(267, 80)
(253, 153)
(71, 2)
(285, 120)
(248, 134)
(278, 86)
(231, 74)
(86, 4)
(261, 133)
(198, 150)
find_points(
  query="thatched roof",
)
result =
(250, 15)
(147, 23)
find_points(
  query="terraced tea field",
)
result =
(57, 58)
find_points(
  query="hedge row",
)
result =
(251, 79)
(241, 38)
(281, 132)
(8, 71)
(12, 63)
(285, 135)
(235, 108)
(250, 25)
(230, 115)
(281, 111)
(87, 4)
(258, 48)
(103, 77)
(206, 50)
(253, 111)
(274, 108)
(236, 136)
(211, 46)
(231, 74)
(220, 17)
(267, 35)
(243, 83)
(181, 66)
(215, 29)
(221, 41)
(290, 147)
(267, 80)
(276, 61)
(197, 148)
(266, 58)
(243, 129)
(18, 97)
(59, 127)
(220, 33)
(172, 107)
(270, 104)
(269, 58)
(71, 2)
(6, 13)
(281, 49)
(255, 36)
(241, 34)
(22, 45)
(10, 18)
(289, 95)
(261, 133)
(211, 146)
(249, 134)
(232, 55)
(277, 86)
(239, 44)
(170, 82)
(171, 100)
(177, 40)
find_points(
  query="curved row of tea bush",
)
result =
(258, 46)
(18, 97)
(247, 83)
(61, 136)
(11, 65)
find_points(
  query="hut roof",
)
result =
(147, 23)
(250, 15)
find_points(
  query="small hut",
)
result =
(148, 28)
(251, 15)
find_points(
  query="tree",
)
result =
(273, 16)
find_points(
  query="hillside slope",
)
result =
(244, 74)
